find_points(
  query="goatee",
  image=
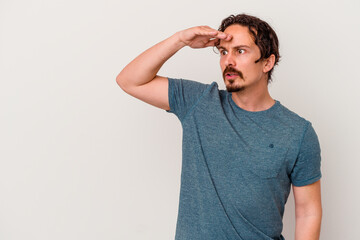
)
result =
(231, 87)
(234, 88)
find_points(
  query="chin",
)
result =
(235, 89)
(232, 87)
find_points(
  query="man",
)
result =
(242, 149)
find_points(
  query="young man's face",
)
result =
(237, 60)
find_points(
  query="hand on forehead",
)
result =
(240, 36)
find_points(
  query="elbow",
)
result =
(120, 81)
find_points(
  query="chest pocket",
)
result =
(266, 160)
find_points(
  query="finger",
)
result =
(228, 38)
(216, 33)
(211, 43)
(206, 30)
(224, 36)
(211, 33)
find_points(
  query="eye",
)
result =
(223, 52)
(241, 51)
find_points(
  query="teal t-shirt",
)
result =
(237, 165)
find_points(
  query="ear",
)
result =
(269, 63)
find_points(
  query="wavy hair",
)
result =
(263, 35)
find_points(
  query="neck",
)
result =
(253, 100)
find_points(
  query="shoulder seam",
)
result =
(303, 135)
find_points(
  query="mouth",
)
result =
(231, 75)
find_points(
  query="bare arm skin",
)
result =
(139, 78)
(308, 211)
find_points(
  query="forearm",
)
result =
(308, 227)
(145, 67)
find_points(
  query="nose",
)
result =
(230, 59)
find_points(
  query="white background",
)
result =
(81, 159)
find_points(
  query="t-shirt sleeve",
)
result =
(183, 95)
(307, 166)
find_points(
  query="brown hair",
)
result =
(264, 36)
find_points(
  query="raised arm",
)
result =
(139, 78)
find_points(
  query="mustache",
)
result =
(231, 69)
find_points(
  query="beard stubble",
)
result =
(232, 87)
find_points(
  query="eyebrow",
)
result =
(239, 46)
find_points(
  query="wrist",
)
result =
(178, 41)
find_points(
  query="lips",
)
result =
(231, 73)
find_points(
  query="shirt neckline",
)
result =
(239, 109)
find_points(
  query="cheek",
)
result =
(250, 70)
(249, 63)
(221, 61)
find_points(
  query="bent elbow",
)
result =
(120, 81)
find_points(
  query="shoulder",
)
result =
(191, 83)
(188, 88)
(184, 95)
(292, 118)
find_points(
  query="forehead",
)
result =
(240, 36)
